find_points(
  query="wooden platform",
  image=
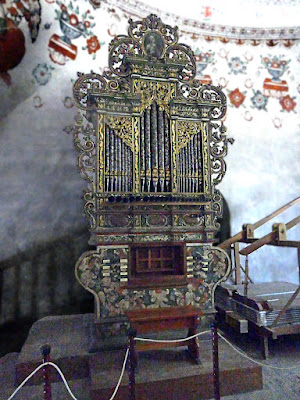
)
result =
(165, 374)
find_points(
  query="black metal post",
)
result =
(215, 353)
(132, 364)
(47, 383)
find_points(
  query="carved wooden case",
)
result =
(152, 146)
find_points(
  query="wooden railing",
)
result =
(248, 230)
(275, 238)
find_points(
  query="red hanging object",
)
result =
(12, 47)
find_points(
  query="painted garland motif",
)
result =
(105, 274)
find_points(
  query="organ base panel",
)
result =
(151, 144)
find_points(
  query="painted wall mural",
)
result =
(52, 40)
(257, 78)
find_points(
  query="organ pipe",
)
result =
(167, 152)
(147, 150)
(161, 149)
(142, 152)
(154, 157)
(199, 144)
(107, 153)
(154, 146)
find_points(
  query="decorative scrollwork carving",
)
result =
(85, 84)
(84, 140)
(217, 203)
(122, 127)
(184, 55)
(218, 150)
(211, 95)
(185, 131)
(119, 49)
(90, 206)
(150, 91)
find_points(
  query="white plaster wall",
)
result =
(41, 189)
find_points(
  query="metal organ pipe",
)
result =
(167, 152)
(148, 149)
(154, 146)
(142, 152)
(196, 162)
(199, 164)
(115, 158)
(161, 149)
(107, 163)
(155, 150)
(118, 163)
(123, 171)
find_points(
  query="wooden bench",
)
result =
(164, 319)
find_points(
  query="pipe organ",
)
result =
(151, 146)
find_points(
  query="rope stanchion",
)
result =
(132, 363)
(215, 334)
(215, 354)
(47, 384)
(64, 379)
(35, 371)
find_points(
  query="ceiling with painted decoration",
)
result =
(253, 13)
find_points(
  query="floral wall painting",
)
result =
(73, 24)
(236, 97)
(276, 67)
(237, 66)
(30, 10)
(259, 100)
(288, 104)
(42, 73)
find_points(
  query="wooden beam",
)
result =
(270, 237)
(239, 236)
(237, 264)
(278, 243)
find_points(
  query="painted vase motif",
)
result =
(274, 87)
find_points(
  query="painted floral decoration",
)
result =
(17, 10)
(259, 101)
(42, 73)
(288, 103)
(93, 44)
(276, 66)
(237, 66)
(236, 97)
(83, 23)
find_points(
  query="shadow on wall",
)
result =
(40, 282)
